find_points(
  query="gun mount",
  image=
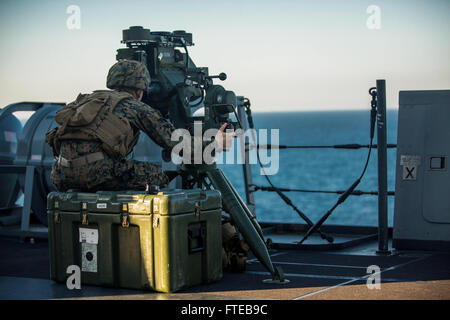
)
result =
(178, 88)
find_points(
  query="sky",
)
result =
(283, 55)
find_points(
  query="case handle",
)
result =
(197, 237)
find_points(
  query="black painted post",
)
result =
(382, 169)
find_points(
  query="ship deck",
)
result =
(316, 271)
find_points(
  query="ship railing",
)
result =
(379, 105)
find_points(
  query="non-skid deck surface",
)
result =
(313, 275)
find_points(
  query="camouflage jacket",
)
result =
(112, 173)
(141, 118)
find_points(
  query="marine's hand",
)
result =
(224, 139)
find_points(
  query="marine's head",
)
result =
(128, 74)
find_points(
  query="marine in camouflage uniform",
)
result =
(83, 163)
(91, 147)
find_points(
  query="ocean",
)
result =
(320, 169)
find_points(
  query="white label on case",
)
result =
(88, 235)
(101, 205)
(88, 257)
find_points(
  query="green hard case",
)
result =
(163, 242)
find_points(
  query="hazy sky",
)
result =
(283, 55)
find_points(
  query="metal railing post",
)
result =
(382, 169)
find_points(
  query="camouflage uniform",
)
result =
(101, 169)
(112, 173)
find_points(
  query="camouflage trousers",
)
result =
(108, 174)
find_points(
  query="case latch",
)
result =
(124, 217)
(84, 213)
(57, 218)
(198, 207)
